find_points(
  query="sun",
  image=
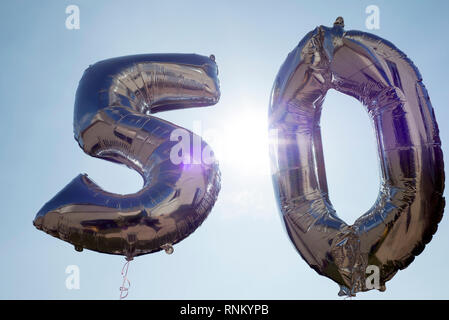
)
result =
(243, 143)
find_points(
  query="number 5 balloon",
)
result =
(410, 202)
(112, 121)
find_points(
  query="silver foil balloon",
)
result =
(410, 202)
(112, 121)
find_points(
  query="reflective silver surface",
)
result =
(112, 121)
(410, 202)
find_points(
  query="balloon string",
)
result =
(126, 283)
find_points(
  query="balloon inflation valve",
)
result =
(346, 292)
(168, 248)
(339, 22)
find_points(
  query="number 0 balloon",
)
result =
(410, 202)
(112, 121)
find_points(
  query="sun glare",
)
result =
(243, 143)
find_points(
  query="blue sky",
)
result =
(241, 251)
